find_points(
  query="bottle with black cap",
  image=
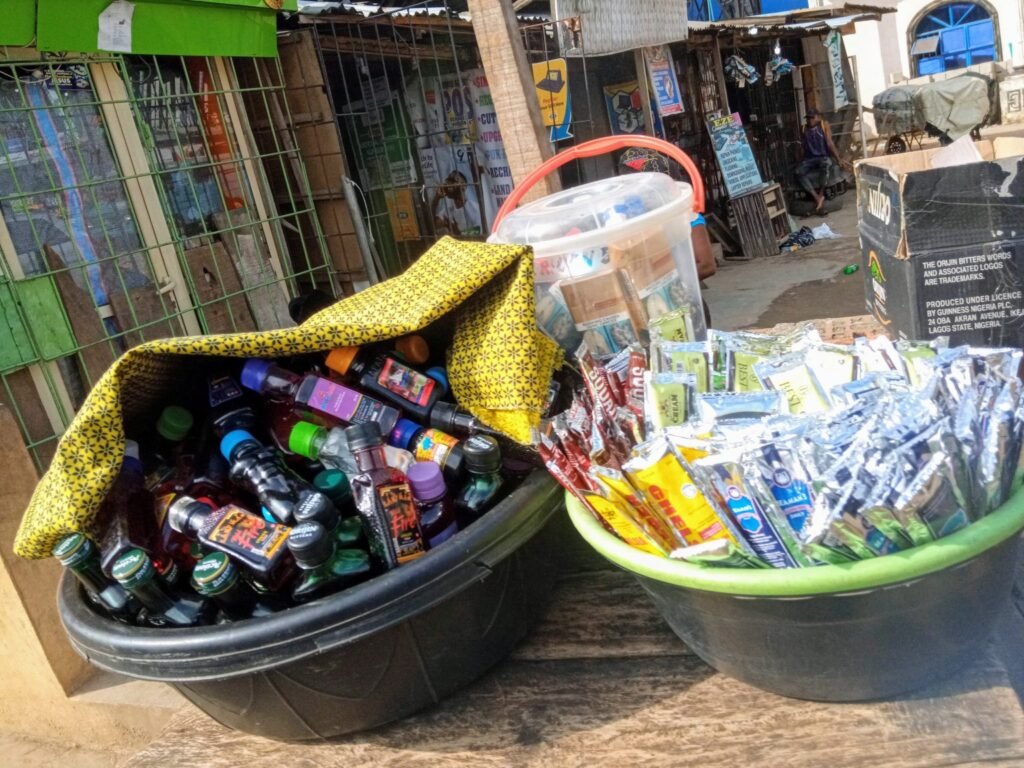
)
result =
(81, 558)
(347, 532)
(485, 484)
(136, 573)
(384, 500)
(449, 418)
(217, 578)
(325, 568)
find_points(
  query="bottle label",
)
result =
(247, 534)
(434, 445)
(404, 521)
(223, 389)
(343, 403)
(405, 382)
(161, 505)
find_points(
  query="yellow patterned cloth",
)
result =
(499, 368)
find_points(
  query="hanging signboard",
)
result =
(551, 80)
(667, 98)
(625, 107)
(833, 43)
(735, 158)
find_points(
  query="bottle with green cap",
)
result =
(82, 560)
(325, 568)
(169, 458)
(330, 448)
(217, 578)
(485, 484)
(135, 571)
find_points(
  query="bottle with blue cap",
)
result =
(429, 444)
(317, 394)
(258, 469)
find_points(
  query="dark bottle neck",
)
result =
(371, 458)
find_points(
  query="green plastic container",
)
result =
(864, 630)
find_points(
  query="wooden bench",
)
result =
(602, 681)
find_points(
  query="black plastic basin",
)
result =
(363, 657)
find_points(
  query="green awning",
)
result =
(19, 24)
(172, 27)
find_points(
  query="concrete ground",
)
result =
(801, 285)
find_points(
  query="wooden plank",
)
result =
(21, 390)
(358, 46)
(645, 712)
(266, 295)
(140, 186)
(215, 277)
(96, 354)
(601, 614)
(510, 79)
(34, 582)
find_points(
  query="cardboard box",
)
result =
(943, 249)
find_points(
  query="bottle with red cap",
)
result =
(429, 444)
(385, 375)
(317, 394)
(437, 513)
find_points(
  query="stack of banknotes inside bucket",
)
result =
(749, 450)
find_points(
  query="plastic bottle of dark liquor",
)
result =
(437, 513)
(317, 394)
(385, 375)
(258, 469)
(256, 544)
(347, 531)
(485, 484)
(81, 558)
(135, 571)
(125, 516)
(217, 578)
(384, 500)
(325, 568)
(449, 418)
(169, 458)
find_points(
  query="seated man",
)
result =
(817, 154)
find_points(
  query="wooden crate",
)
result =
(775, 206)
(749, 217)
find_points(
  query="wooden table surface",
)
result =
(602, 681)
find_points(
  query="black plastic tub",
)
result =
(364, 657)
(866, 630)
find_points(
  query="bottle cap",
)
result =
(254, 373)
(214, 575)
(426, 481)
(232, 440)
(413, 348)
(333, 484)
(73, 549)
(340, 359)
(318, 508)
(440, 375)
(133, 568)
(131, 450)
(303, 438)
(181, 511)
(174, 423)
(403, 433)
(442, 416)
(365, 435)
(349, 532)
(482, 454)
(310, 545)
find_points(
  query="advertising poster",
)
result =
(667, 98)
(625, 107)
(735, 158)
(833, 42)
(550, 78)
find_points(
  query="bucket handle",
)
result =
(601, 146)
